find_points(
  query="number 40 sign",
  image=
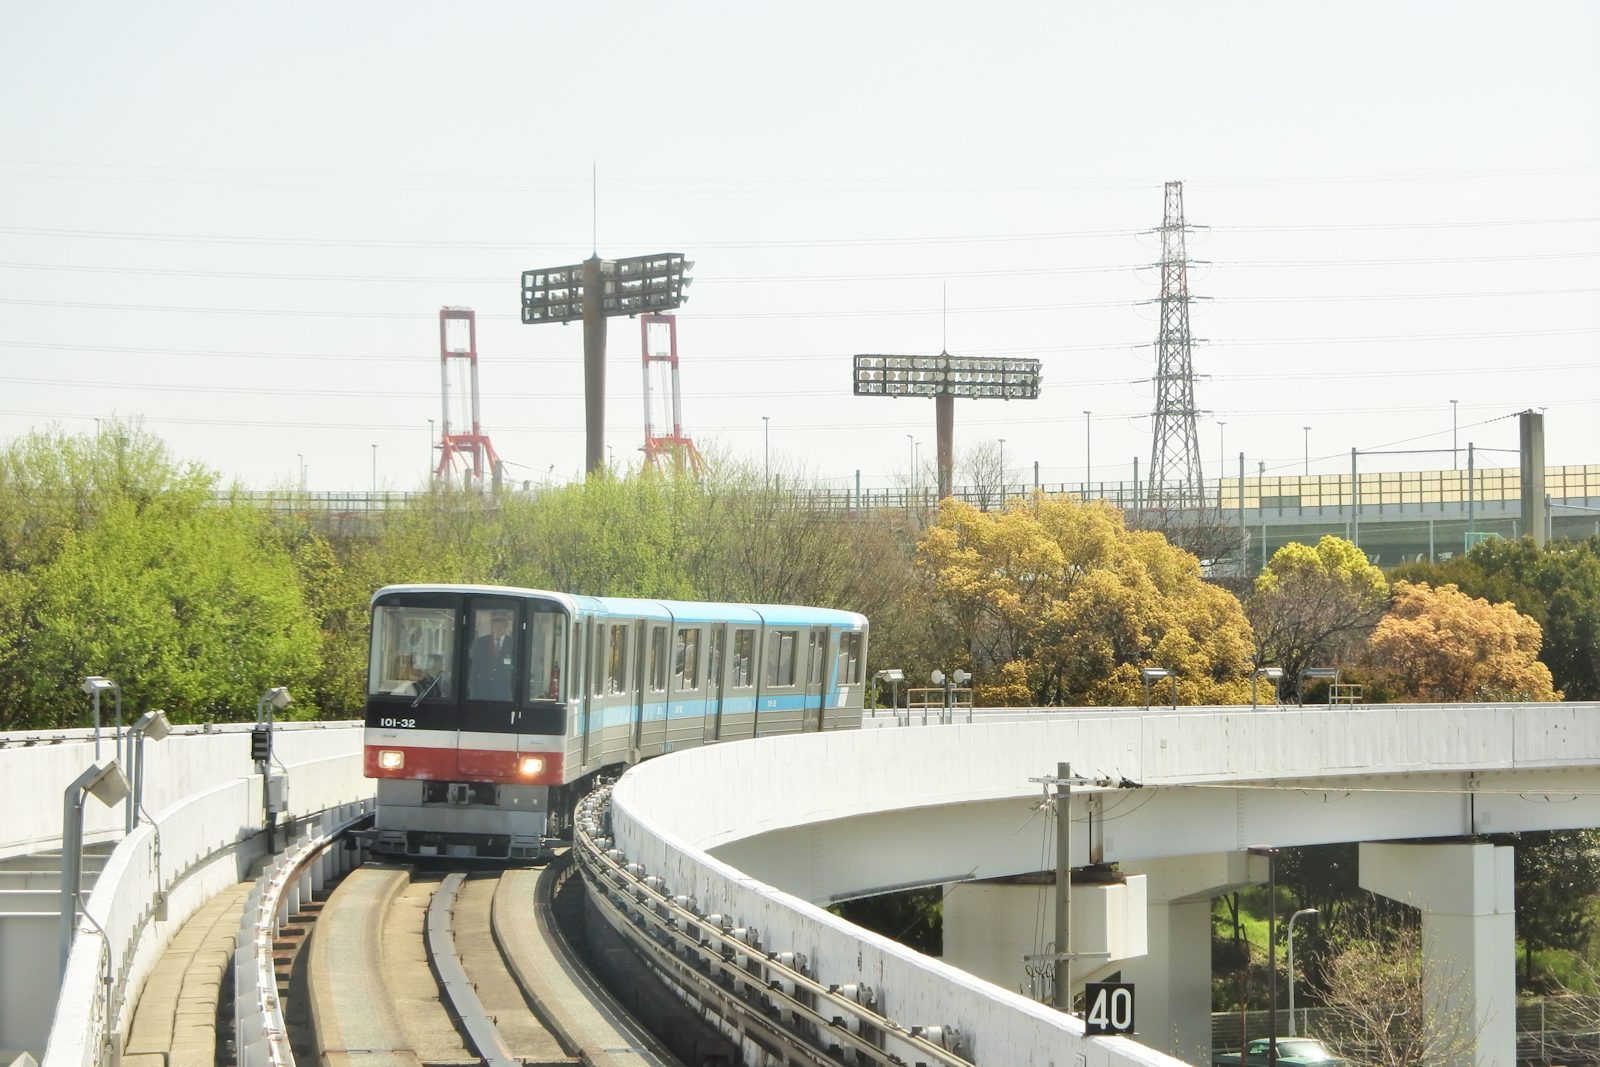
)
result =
(1107, 1008)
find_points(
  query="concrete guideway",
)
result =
(821, 818)
(175, 1024)
(419, 966)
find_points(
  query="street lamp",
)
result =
(1272, 949)
(1455, 459)
(1273, 675)
(1308, 449)
(1088, 453)
(912, 481)
(766, 447)
(301, 456)
(1156, 674)
(109, 786)
(1222, 456)
(154, 725)
(94, 685)
(1002, 465)
(894, 676)
(1292, 918)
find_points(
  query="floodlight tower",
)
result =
(945, 377)
(1175, 472)
(675, 450)
(591, 291)
(458, 340)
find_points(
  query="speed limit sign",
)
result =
(1107, 1008)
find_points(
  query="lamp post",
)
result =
(1308, 449)
(1222, 456)
(94, 685)
(1292, 918)
(1088, 453)
(1272, 950)
(301, 456)
(430, 448)
(766, 447)
(1455, 458)
(154, 725)
(109, 786)
(1002, 467)
(911, 483)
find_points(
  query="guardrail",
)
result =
(260, 1034)
(781, 971)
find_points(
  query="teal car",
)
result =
(1292, 1052)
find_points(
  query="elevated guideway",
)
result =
(201, 830)
(765, 832)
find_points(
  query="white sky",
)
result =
(240, 224)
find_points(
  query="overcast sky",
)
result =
(238, 225)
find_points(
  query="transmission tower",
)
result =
(1175, 473)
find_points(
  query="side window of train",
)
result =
(597, 659)
(657, 667)
(617, 658)
(686, 660)
(742, 675)
(547, 647)
(781, 645)
(849, 661)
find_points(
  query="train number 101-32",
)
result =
(403, 724)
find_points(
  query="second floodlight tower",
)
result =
(593, 291)
(945, 377)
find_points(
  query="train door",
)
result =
(814, 705)
(715, 660)
(487, 734)
(586, 638)
(636, 693)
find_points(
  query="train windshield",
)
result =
(413, 649)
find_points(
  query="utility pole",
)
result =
(1063, 956)
(1175, 452)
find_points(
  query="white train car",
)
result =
(489, 709)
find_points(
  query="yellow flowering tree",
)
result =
(1445, 646)
(1054, 601)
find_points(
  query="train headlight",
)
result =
(391, 759)
(531, 765)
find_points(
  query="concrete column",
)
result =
(1466, 894)
(1535, 506)
(990, 925)
(1172, 982)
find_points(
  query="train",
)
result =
(490, 709)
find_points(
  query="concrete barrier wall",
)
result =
(668, 814)
(191, 760)
(197, 846)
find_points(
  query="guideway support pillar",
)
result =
(1466, 895)
(1173, 981)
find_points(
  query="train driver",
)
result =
(490, 658)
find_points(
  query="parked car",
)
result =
(1292, 1052)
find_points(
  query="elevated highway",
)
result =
(761, 834)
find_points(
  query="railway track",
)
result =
(413, 967)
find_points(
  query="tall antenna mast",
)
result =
(1175, 472)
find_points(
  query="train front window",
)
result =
(412, 651)
(547, 650)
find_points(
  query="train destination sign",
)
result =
(979, 377)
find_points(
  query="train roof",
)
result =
(640, 607)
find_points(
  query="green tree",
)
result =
(1061, 603)
(1315, 606)
(1557, 872)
